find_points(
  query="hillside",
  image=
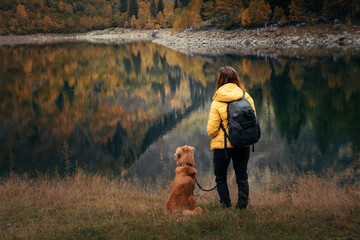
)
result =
(68, 16)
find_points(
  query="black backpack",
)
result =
(244, 128)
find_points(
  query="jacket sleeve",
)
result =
(214, 121)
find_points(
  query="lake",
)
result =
(124, 109)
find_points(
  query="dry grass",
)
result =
(83, 207)
(330, 192)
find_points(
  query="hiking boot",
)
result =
(241, 205)
(225, 206)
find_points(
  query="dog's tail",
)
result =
(196, 211)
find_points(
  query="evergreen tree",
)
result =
(123, 6)
(339, 9)
(133, 8)
(153, 8)
(176, 5)
(208, 9)
(160, 6)
(229, 11)
(284, 4)
(184, 3)
(279, 15)
(314, 6)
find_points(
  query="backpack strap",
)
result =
(226, 135)
(225, 141)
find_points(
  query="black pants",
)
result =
(240, 158)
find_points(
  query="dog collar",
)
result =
(185, 164)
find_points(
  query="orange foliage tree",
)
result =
(144, 20)
(31, 16)
(258, 12)
(190, 17)
(169, 14)
(297, 10)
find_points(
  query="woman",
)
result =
(228, 88)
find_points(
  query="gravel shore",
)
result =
(271, 40)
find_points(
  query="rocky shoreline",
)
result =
(273, 40)
(259, 40)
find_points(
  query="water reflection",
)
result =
(125, 108)
(108, 103)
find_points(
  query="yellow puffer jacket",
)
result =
(218, 113)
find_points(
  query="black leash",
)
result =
(206, 190)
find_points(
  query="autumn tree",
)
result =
(108, 11)
(29, 16)
(297, 11)
(21, 15)
(144, 20)
(69, 23)
(13, 25)
(169, 13)
(38, 21)
(182, 21)
(263, 12)
(48, 24)
(61, 6)
(3, 27)
(123, 20)
(133, 22)
(69, 9)
(190, 16)
(160, 20)
(258, 12)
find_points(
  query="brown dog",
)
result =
(182, 188)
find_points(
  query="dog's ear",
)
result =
(178, 153)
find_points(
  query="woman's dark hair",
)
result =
(228, 74)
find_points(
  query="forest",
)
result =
(69, 16)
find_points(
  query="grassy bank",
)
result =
(94, 207)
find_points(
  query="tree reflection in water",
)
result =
(112, 103)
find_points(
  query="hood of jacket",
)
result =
(228, 92)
